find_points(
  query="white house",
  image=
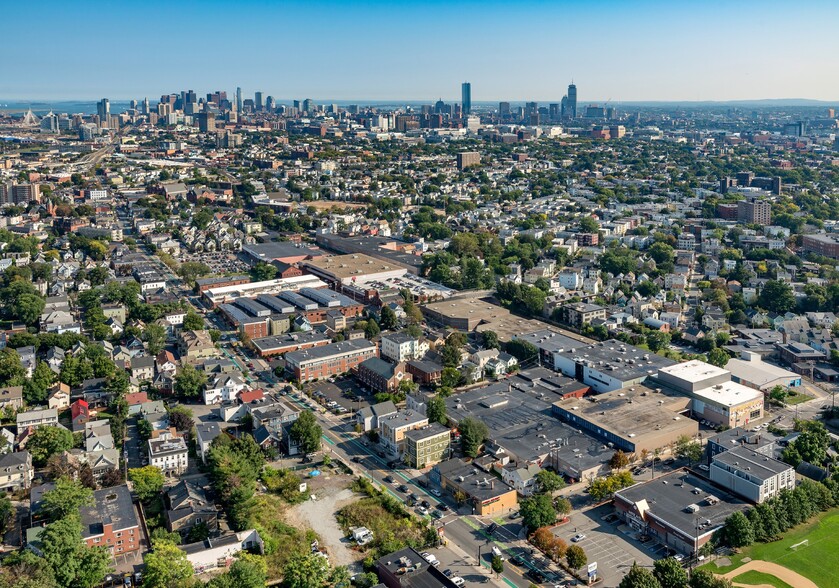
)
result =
(223, 388)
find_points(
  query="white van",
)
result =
(497, 552)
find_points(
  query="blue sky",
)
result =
(422, 50)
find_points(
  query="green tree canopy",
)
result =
(48, 440)
(306, 432)
(638, 577)
(147, 481)
(435, 410)
(537, 511)
(66, 498)
(472, 435)
(166, 567)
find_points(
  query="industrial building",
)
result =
(750, 370)
(633, 420)
(221, 294)
(610, 365)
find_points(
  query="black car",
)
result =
(425, 504)
(443, 507)
(537, 576)
(448, 573)
(402, 488)
(517, 560)
(491, 529)
(389, 479)
(356, 459)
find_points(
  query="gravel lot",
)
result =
(319, 515)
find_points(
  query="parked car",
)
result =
(704, 468)
(578, 537)
(458, 581)
(436, 492)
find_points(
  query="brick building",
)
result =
(382, 376)
(329, 360)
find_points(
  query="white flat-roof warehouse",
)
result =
(229, 293)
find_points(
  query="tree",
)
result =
(74, 564)
(497, 565)
(575, 557)
(36, 389)
(662, 253)
(522, 350)
(619, 460)
(147, 482)
(306, 432)
(27, 307)
(388, 318)
(537, 511)
(472, 435)
(263, 271)
(489, 339)
(66, 498)
(718, 357)
(810, 446)
(670, 573)
(451, 356)
(372, 329)
(657, 340)
(738, 531)
(48, 440)
(638, 577)
(589, 224)
(305, 571)
(24, 569)
(435, 410)
(705, 579)
(562, 506)
(193, 321)
(687, 448)
(155, 337)
(181, 418)
(449, 377)
(166, 567)
(776, 297)
(12, 372)
(189, 383)
(549, 482)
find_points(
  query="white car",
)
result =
(436, 492)
(430, 558)
(704, 468)
(578, 537)
(458, 581)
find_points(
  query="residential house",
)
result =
(36, 418)
(224, 388)
(11, 396)
(79, 414)
(205, 433)
(195, 345)
(59, 397)
(142, 368)
(368, 417)
(169, 453)
(111, 521)
(523, 479)
(16, 471)
(187, 506)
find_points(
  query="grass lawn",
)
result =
(816, 560)
(794, 398)
(755, 577)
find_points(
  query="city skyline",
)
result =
(649, 51)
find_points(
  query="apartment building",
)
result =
(427, 445)
(752, 475)
(329, 360)
(170, 454)
(392, 429)
(403, 347)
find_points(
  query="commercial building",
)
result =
(752, 475)
(382, 376)
(610, 365)
(406, 568)
(549, 343)
(282, 251)
(736, 437)
(346, 269)
(632, 420)
(715, 397)
(368, 418)
(488, 495)
(427, 445)
(222, 294)
(679, 510)
(392, 428)
(425, 372)
(750, 370)
(329, 360)
(474, 312)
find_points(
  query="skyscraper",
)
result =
(466, 92)
(239, 99)
(257, 101)
(146, 109)
(572, 100)
(103, 109)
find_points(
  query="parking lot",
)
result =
(337, 392)
(613, 551)
(219, 262)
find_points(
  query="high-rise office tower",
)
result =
(133, 105)
(270, 104)
(239, 99)
(146, 106)
(206, 122)
(504, 110)
(466, 94)
(257, 101)
(530, 108)
(103, 109)
(308, 105)
(553, 110)
(572, 100)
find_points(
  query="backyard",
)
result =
(809, 549)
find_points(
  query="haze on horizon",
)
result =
(650, 50)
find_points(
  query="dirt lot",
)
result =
(331, 493)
